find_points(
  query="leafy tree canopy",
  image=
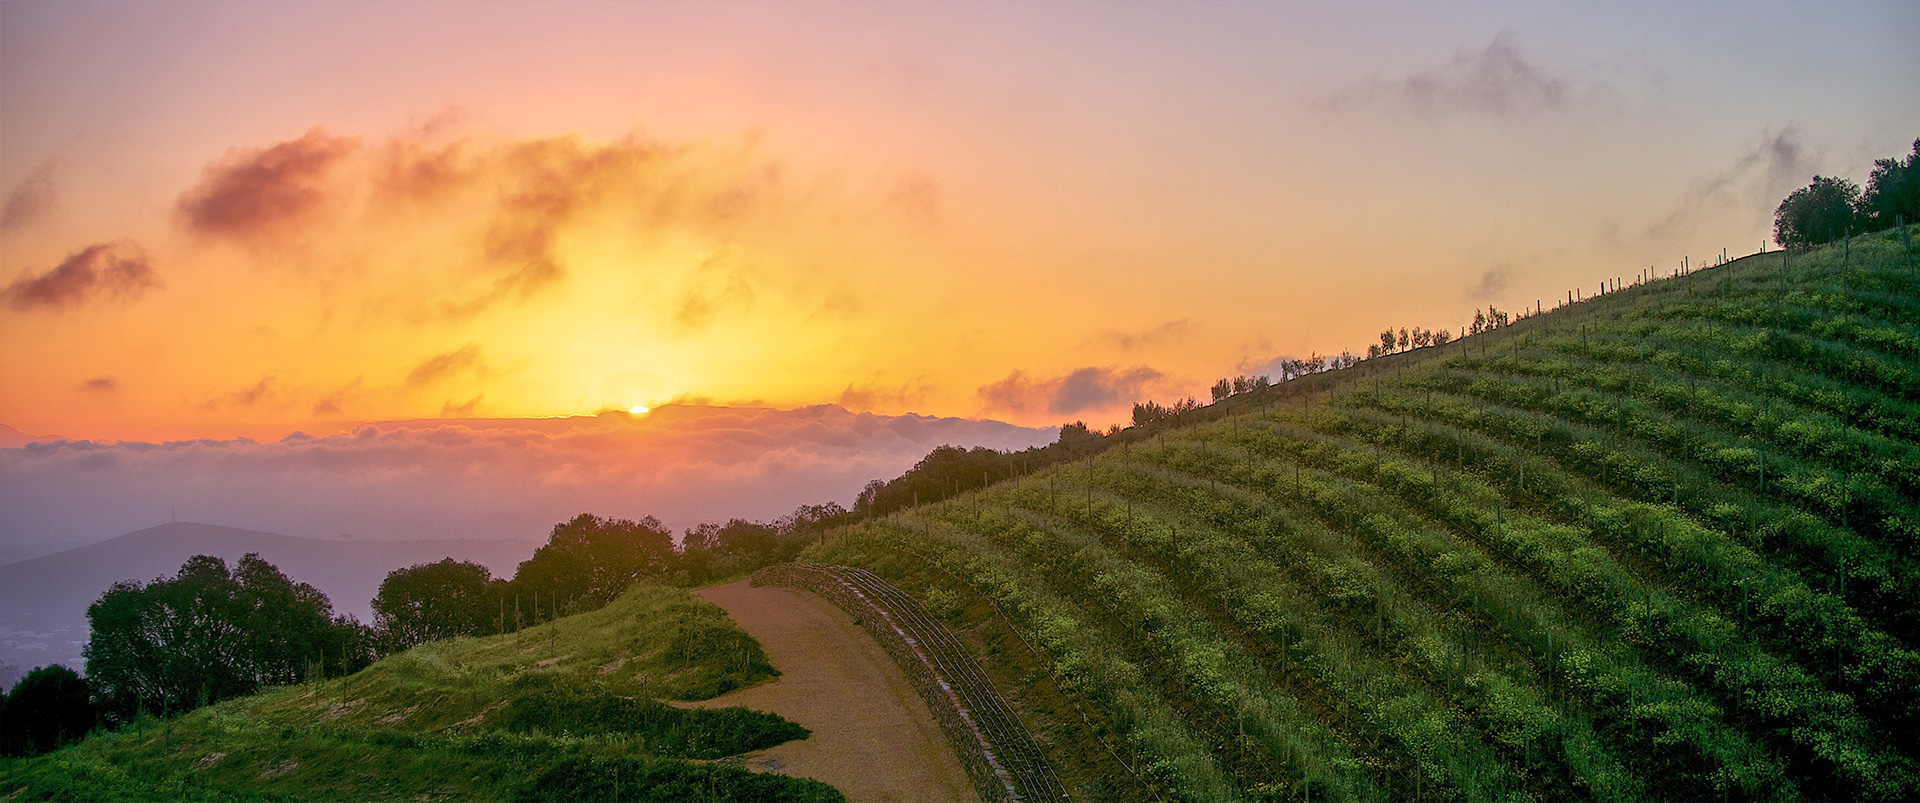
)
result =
(1893, 192)
(589, 560)
(431, 601)
(207, 634)
(1817, 213)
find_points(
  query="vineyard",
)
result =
(998, 753)
(1657, 544)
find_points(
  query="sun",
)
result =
(637, 409)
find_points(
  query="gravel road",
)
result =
(873, 738)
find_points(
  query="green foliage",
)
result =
(1820, 212)
(545, 703)
(437, 600)
(1893, 192)
(588, 560)
(49, 707)
(1659, 545)
(514, 716)
(643, 780)
(207, 634)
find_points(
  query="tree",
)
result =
(1893, 192)
(432, 601)
(1442, 337)
(1387, 341)
(1820, 212)
(50, 707)
(588, 561)
(1073, 435)
(1222, 389)
(207, 634)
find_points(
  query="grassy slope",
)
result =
(1659, 544)
(562, 711)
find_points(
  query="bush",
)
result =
(639, 779)
(565, 706)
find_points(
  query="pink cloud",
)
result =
(252, 193)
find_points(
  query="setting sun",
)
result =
(1396, 400)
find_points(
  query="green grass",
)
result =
(566, 710)
(1662, 544)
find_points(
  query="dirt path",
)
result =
(873, 739)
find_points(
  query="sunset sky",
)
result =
(250, 219)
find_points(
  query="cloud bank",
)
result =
(477, 478)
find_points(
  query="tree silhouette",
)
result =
(48, 708)
(1893, 192)
(1817, 213)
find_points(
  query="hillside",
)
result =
(43, 601)
(1658, 544)
(569, 710)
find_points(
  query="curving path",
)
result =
(873, 738)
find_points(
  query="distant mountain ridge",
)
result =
(43, 600)
(11, 438)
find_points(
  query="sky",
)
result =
(229, 221)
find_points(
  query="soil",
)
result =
(873, 738)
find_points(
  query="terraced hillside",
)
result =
(1660, 544)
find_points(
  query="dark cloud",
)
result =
(1128, 341)
(335, 402)
(1491, 283)
(1495, 80)
(1756, 180)
(118, 270)
(262, 390)
(31, 200)
(251, 194)
(1080, 390)
(101, 385)
(461, 410)
(442, 366)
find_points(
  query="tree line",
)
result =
(212, 632)
(1832, 207)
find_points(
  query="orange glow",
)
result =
(265, 218)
